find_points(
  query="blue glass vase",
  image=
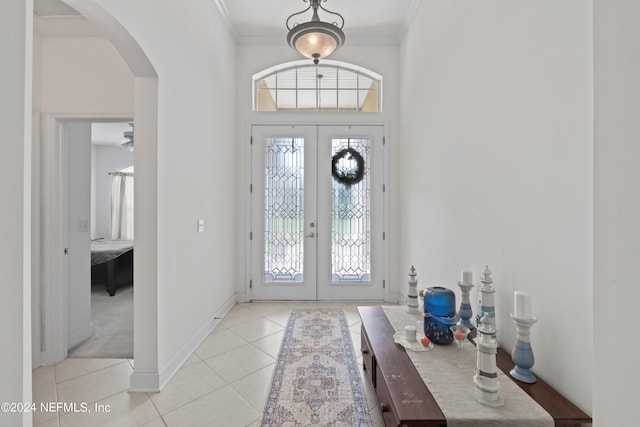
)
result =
(439, 314)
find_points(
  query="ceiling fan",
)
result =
(128, 139)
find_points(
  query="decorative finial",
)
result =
(487, 276)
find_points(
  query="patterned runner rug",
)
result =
(316, 381)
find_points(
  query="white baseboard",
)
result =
(152, 382)
(395, 297)
(144, 382)
(79, 336)
(242, 297)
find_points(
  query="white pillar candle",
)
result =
(410, 333)
(467, 277)
(522, 305)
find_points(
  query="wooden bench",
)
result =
(393, 375)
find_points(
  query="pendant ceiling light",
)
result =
(315, 39)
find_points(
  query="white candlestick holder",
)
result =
(412, 296)
(522, 354)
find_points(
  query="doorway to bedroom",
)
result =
(99, 205)
(317, 224)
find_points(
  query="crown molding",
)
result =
(228, 20)
(408, 18)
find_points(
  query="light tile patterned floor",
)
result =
(224, 383)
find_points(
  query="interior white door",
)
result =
(77, 142)
(317, 213)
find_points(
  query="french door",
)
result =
(317, 213)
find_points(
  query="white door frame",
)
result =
(385, 267)
(54, 227)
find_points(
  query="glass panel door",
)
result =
(283, 212)
(350, 200)
(351, 211)
(317, 213)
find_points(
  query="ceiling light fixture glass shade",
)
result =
(315, 39)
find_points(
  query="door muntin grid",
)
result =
(284, 210)
(351, 220)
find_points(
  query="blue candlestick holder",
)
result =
(522, 354)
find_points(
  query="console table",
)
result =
(394, 377)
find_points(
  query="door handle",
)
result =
(312, 235)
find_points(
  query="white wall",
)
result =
(15, 171)
(194, 57)
(495, 166)
(617, 210)
(253, 59)
(187, 165)
(107, 159)
(84, 76)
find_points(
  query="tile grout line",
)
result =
(265, 314)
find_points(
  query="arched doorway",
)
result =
(145, 256)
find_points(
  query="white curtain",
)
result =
(122, 204)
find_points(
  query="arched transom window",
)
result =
(328, 86)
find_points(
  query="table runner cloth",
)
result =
(453, 386)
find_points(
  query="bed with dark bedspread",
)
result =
(112, 263)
